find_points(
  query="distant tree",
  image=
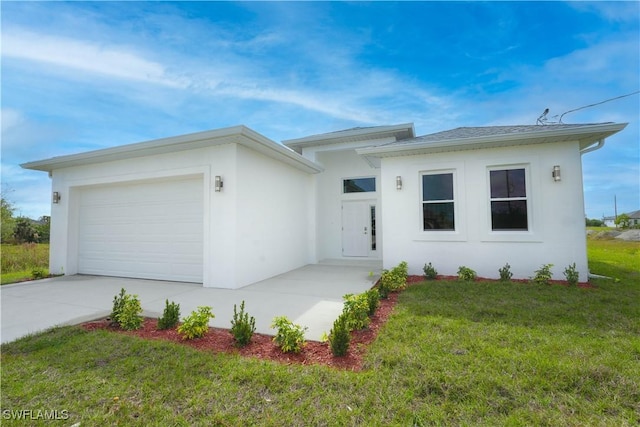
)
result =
(7, 221)
(623, 221)
(43, 228)
(24, 231)
(594, 223)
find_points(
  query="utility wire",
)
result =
(597, 103)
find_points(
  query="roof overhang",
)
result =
(586, 135)
(241, 135)
(398, 132)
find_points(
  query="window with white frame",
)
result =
(508, 198)
(438, 204)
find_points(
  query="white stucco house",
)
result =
(230, 207)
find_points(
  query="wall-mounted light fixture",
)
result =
(219, 183)
(56, 197)
(398, 182)
(556, 173)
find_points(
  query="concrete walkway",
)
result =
(310, 296)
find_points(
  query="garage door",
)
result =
(150, 230)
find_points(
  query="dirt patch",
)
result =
(220, 340)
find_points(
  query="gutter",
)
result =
(598, 145)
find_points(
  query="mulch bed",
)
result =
(219, 340)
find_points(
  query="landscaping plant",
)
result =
(373, 299)
(170, 315)
(543, 275)
(356, 311)
(572, 275)
(128, 316)
(118, 303)
(466, 274)
(430, 273)
(339, 336)
(242, 326)
(393, 280)
(505, 273)
(290, 337)
(196, 325)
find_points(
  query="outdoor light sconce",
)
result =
(556, 173)
(398, 182)
(56, 197)
(219, 183)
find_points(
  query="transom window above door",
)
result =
(359, 185)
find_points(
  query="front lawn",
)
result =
(451, 354)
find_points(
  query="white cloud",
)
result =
(84, 56)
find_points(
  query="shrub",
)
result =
(242, 326)
(466, 274)
(38, 273)
(170, 315)
(128, 316)
(572, 275)
(356, 311)
(118, 303)
(290, 337)
(430, 273)
(505, 272)
(373, 299)
(339, 336)
(196, 325)
(393, 280)
(543, 275)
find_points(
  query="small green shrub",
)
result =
(373, 299)
(505, 273)
(543, 275)
(170, 315)
(290, 337)
(196, 325)
(356, 311)
(129, 317)
(393, 280)
(118, 303)
(466, 274)
(242, 326)
(572, 275)
(339, 337)
(430, 273)
(38, 273)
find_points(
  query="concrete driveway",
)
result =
(310, 296)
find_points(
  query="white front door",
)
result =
(356, 228)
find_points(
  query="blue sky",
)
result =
(80, 76)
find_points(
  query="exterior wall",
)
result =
(272, 213)
(329, 195)
(238, 245)
(556, 213)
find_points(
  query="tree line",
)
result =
(21, 229)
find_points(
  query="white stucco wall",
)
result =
(556, 216)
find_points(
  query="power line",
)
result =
(598, 103)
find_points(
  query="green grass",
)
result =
(19, 261)
(451, 354)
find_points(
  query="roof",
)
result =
(356, 134)
(468, 138)
(237, 134)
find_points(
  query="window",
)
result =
(359, 185)
(373, 227)
(508, 200)
(437, 202)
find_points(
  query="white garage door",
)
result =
(150, 230)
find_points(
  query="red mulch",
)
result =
(220, 340)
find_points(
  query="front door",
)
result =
(358, 229)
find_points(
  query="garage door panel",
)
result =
(151, 230)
